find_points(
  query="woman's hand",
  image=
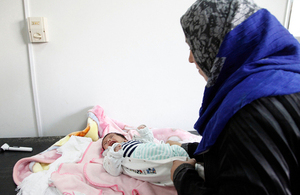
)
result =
(173, 143)
(177, 163)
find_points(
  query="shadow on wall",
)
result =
(69, 124)
(24, 33)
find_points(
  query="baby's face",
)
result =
(110, 139)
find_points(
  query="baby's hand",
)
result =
(141, 127)
(118, 147)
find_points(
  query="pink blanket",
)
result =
(88, 176)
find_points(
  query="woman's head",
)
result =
(111, 138)
(206, 23)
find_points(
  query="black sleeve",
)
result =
(190, 148)
(258, 152)
(188, 182)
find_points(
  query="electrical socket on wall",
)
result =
(38, 29)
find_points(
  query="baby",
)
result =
(140, 157)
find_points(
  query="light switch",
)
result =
(37, 27)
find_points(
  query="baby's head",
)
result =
(111, 138)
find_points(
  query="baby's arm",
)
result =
(146, 134)
(113, 160)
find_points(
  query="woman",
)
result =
(250, 115)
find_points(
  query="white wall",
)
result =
(16, 105)
(276, 7)
(128, 56)
(294, 27)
